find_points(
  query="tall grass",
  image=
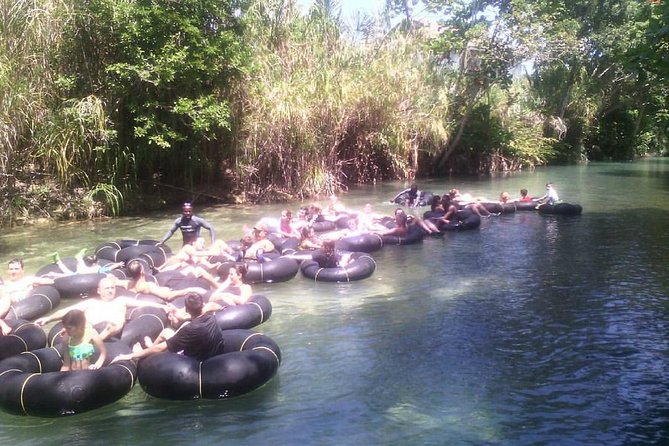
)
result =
(320, 112)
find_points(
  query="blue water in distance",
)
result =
(531, 330)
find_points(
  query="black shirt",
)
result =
(201, 338)
(325, 261)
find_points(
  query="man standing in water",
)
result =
(190, 226)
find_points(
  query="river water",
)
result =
(531, 330)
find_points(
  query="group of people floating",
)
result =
(194, 331)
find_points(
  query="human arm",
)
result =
(155, 348)
(416, 201)
(171, 231)
(58, 315)
(169, 294)
(104, 269)
(67, 361)
(100, 346)
(41, 281)
(4, 328)
(5, 303)
(133, 303)
(392, 200)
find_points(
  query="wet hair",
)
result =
(329, 247)
(194, 304)
(401, 219)
(16, 260)
(305, 232)
(242, 269)
(74, 318)
(90, 260)
(135, 269)
(436, 202)
(246, 241)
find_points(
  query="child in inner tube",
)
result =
(81, 340)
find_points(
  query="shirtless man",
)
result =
(106, 310)
(18, 286)
(137, 283)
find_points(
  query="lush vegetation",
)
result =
(104, 103)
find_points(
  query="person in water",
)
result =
(524, 198)
(85, 265)
(18, 286)
(286, 228)
(137, 283)
(309, 239)
(328, 257)
(200, 337)
(192, 260)
(233, 291)
(550, 197)
(261, 244)
(411, 196)
(190, 226)
(4, 328)
(107, 312)
(81, 340)
(401, 227)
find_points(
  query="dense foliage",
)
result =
(102, 100)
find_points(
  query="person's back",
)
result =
(201, 338)
(524, 198)
(327, 257)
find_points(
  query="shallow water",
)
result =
(530, 330)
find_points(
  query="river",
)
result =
(531, 330)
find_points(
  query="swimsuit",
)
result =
(83, 350)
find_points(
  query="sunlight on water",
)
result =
(529, 330)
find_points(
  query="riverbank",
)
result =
(40, 201)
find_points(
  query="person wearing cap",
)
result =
(200, 337)
(190, 226)
(260, 245)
